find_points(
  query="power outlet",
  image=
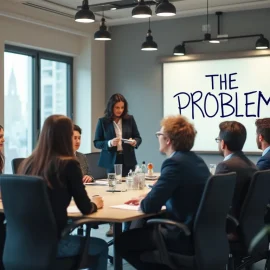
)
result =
(206, 28)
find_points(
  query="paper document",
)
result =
(126, 207)
(130, 207)
(98, 183)
(73, 209)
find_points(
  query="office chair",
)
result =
(251, 221)
(31, 238)
(211, 247)
(15, 163)
(96, 171)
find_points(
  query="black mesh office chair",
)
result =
(96, 171)
(251, 221)
(15, 163)
(31, 240)
(211, 247)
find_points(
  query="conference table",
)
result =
(114, 215)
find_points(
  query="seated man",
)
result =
(87, 178)
(231, 139)
(263, 142)
(179, 187)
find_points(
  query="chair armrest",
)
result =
(179, 225)
(75, 224)
(233, 219)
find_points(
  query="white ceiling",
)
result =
(184, 8)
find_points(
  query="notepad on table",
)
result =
(130, 207)
(97, 183)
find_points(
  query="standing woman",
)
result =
(116, 125)
(53, 159)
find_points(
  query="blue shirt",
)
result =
(228, 157)
(266, 150)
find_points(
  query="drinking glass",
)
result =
(118, 173)
(111, 181)
(212, 168)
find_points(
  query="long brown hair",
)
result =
(2, 158)
(54, 146)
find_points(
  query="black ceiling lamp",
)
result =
(141, 10)
(149, 44)
(262, 43)
(180, 49)
(85, 15)
(102, 33)
(207, 35)
(165, 8)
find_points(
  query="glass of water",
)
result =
(118, 173)
(212, 168)
(111, 181)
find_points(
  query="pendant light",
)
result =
(179, 50)
(207, 35)
(85, 15)
(262, 43)
(141, 10)
(102, 33)
(165, 8)
(149, 44)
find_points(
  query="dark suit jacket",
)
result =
(179, 187)
(244, 169)
(105, 132)
(264, 162)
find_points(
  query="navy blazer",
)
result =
(105, 132)
(179, 187)
(244, 169)
(264, 162)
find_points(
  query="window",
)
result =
(37, 84)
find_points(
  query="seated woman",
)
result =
(54, 160)
(77, 132)
(2, 216)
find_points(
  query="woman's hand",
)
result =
(115, 141)
(87, 179)
(133, 143)
(98, 201)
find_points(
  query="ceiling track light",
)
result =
(85, 15)
(165, 8)
(141, 10)
(102, 33)
(149, 44)
(261, 44)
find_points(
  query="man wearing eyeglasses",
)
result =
(231, 140)
(179, 187)
(263, 142)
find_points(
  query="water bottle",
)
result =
(129, 180)
(144, 168)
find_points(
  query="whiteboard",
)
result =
(211, 91)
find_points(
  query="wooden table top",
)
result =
(109, 214)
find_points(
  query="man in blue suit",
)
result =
(179, 187)
(263, 142)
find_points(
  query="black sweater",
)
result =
(66, 182)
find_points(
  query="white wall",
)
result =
(25, 26)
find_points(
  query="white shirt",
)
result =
(118, 133)
(266, 150)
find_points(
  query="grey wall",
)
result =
(138, 74)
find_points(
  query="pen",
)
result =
(116, 190)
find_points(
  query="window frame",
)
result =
(37, 56)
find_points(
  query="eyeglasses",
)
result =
(217, 140)
(159, 134)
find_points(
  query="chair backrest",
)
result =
(253, 211)
(31, 240)
(96, 171)
(15, 163)
(209, 231)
